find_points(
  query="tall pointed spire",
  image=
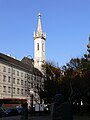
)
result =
(39, 29)
(39, 33)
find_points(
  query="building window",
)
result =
(9, 79)
(18, 81)
(14, 90)
(21, 91)
(25, 92)
(4, 88)
(25, 75)
(13, 72)
(4, 78)
(31, 85)
(21, 82)
(4, 69)
(21, 74)
(25, 83)
(17, 73)
(13, 80)
(37, 46)
(32, 77)
(9, 89)
(8, 70)
(18, 90)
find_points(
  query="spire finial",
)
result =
(39, 15)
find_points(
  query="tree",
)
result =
(77, 78)
(51, 85)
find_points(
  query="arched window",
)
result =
(37, 46)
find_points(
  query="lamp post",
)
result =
(29, 56)
(31, 95)
(31, 90)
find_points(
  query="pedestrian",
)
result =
(60, 109)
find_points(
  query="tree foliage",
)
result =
(51, 85)
(77, 78)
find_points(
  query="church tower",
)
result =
(39, 46)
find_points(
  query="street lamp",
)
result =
(32, 95)
(31, 90)
(29, 56)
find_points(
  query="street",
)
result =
(76, 117)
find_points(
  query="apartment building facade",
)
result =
(17, 78)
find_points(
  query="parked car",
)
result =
(20, 110)
(2, 112)
(11, 111)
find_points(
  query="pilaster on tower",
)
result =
(39, 33)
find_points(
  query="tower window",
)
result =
(37, 46)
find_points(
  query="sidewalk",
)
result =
(75, 117)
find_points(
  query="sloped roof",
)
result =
(14, 62)
(25, 64)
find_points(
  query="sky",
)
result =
(65, 22)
